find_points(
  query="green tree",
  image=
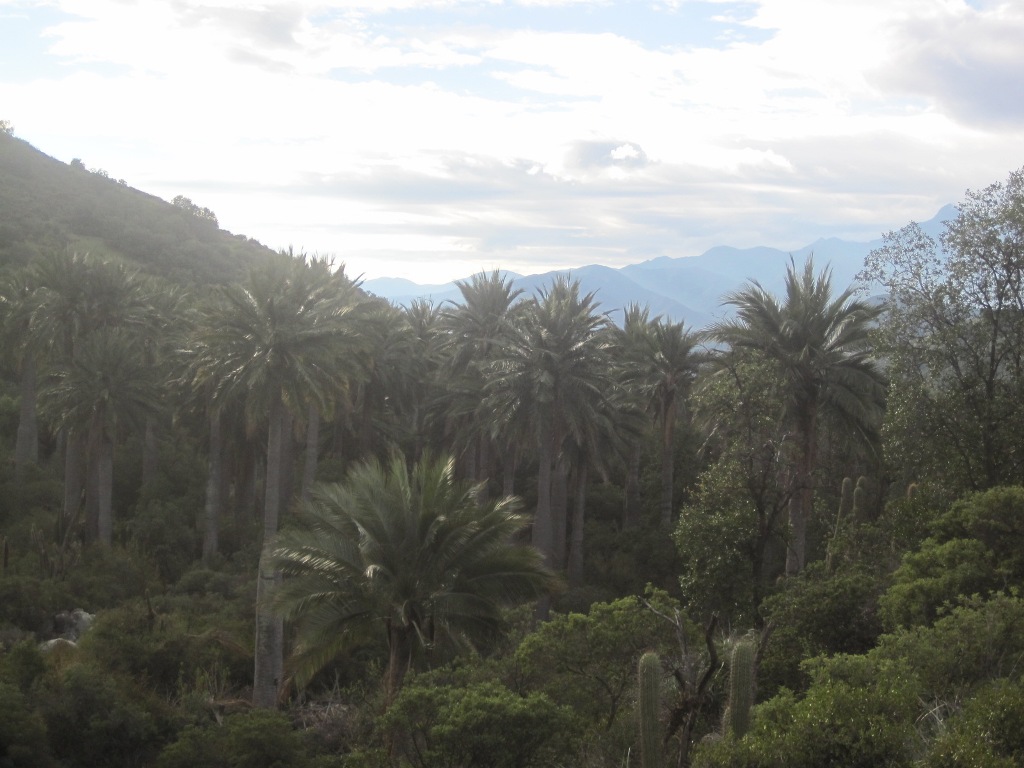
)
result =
(548, 382)
(407, 552)
(483, 725)
(105, 386)
(663, 363)
(476, 329)
(274, 344)
(953, 336)
(819, 343)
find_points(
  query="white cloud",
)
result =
(394, 128)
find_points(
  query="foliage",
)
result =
(588, 661)
(986, 733)
(256, 739)
(407, 550)
(819, 613)
(954, 338)
(858, 713)
(481, 726)
(975, 549)
(97, 720)
(820, 345)
(23, 737)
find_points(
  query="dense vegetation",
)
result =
(317, 529)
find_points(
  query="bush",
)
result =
(256, 739)
(989, 732)
(481, 726)
(857, 713)
(23, 742)
(97, 720)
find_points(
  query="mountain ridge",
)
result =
(684, 288)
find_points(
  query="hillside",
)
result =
(46, 205)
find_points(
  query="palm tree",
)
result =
(106, 385)
(407, 553)
(820, 345)
(476, 329)
(16, 299)
(661, 362)
(74, 296)
(273, 344)
(548, 381)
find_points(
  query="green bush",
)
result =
(99, 720)
(817, 613)
(857, 713)
(988, 733)
(484, 725)
(975, 548)
(23, 741)
(256, 739)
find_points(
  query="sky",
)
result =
(433, 139)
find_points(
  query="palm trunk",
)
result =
(104, 483)
(312, 452)
(26, 447)
(803, 500)
(542, 533)
(579, 509)
(214, 484)
(287, 480)
(269, 650)
(150, 452)
(74, 463)
(668, 432)
(399, 660)
(559, 511)
(508, 475)
(631, 494)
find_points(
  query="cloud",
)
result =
(533, 133)
(966, 60)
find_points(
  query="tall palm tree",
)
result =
(662, 360)
(273, 344)
(76, 295)
(476, 329)
(547, 381)
(820, 345)
(108, 384)
(409, 553)
(16, 299)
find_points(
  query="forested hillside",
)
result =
(251, 515)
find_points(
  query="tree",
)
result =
(406, 551)
(475, 330)
(953, 336)
(16, 302)
(75, 297)
(275, 344)
(548, 382)
(820, 346)
(663, 361)
(106, 385)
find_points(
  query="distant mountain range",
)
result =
(688, 288)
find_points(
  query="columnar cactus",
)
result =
(741, 688)
(650, 703)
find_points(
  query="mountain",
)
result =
(48, 205)
(688, 288)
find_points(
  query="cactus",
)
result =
(649, 675)
(736, 719)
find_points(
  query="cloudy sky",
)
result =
(431, 139)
